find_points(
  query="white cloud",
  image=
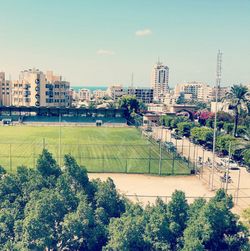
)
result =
(145, 32)
(105, 52)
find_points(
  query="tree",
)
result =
(223, 142)
(43, 211)
(184, 128)
(107, 197)
(181, 99)
(46, 165)
(130, 104)
(238, 98)
(126, 233)
(215, 227)
(228, 127)
(202, 135)
(203, 116)
(177, 213)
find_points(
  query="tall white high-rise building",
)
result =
(159, 80)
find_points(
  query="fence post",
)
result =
(160, 159)
(44, 143)
(10, 158)
(149, 158)
(103, 158)
(79, 153)
(126, 167)
(189, 154)
(173, 163)
(34, 162)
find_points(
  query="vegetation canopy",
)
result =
(52, 208)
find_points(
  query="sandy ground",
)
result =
(146, 188)
(240, 178)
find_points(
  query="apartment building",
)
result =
(145, 95)
(5, 90)
(116, 92)
(84, 95)
(34, 89)
(194, 90)
(159, 81)
(99, 94)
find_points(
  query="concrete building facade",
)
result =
(159, 80)
(194, 90)
(84, 95)
(145, 95)
(34, 89)
(116, 92)
(5, 90)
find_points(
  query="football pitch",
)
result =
(99, 149)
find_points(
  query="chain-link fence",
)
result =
(152, 158)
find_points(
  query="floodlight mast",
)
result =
(217, 96)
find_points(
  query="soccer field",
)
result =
(99, 149)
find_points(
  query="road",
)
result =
(194, 152)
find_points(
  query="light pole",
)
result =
(228, 166)
(238, 187)
(60, 137)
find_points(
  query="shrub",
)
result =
(228, 127)
(184, 128)
(223, 143)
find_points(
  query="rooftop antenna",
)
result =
(158, 62)
(218, 73)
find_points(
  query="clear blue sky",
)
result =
(94, 42)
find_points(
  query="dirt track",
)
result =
(147, 188)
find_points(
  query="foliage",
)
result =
(246, 216)
(202, 135)
(184, 128)
(224, 116)
(166, 120)
(130, 104)
(43, 209)
(228, 127)
(176, 120)
(214, 227)
(181, 99)
(203, 116)
(223, 142)
(246, 157)
(238, 99)
(241, 130)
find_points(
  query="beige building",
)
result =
(116, 92)
(195, 90)
(5, 90)
(159, 81)
(84, 95)
(99, 94)
(35, 89)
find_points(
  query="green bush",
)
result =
(228, 127)
(246, 157)
(184, 128)
(177, 120)
(202, 135)
(241, 130)
(223, 143)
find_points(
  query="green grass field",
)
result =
(99, 149)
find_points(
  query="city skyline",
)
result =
(96, 43)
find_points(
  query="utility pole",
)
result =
(228, 166)
(217, 86)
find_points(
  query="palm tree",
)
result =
(238, 99)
